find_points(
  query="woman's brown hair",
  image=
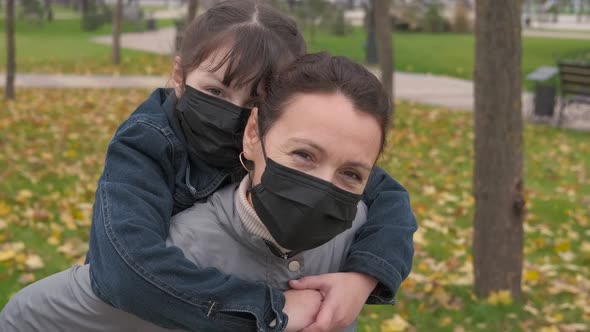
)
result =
(323, 73)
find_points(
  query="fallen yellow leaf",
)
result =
(551, 328)
(395, 324)
(531, 275)
(34, 262)
(26, 278)
(4, 209)
(23, 195)
(7, 254)
(500, 297)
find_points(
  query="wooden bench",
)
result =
(574, 78)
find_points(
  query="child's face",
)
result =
(211, 82)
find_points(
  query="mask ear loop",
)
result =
(264, 151)
(241, 157)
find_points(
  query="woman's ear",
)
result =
(251, 138)
(177, 77)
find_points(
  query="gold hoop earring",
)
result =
(243, 163)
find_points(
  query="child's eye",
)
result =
(215, 92)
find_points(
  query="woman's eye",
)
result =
(303, 155)
(353, 175)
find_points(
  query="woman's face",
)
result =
(319, 134)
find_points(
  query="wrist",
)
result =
(366, 282)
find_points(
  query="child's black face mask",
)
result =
(213, 127)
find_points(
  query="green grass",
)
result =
(52, 145)
(62, 46)
(442, 54)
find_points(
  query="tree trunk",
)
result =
(84, 5)
(118, 17)
(10, 50)
(384, 44)
(48, 10)
(371, 44)
(498, 174)
(193, 7)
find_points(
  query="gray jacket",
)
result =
(210, 234)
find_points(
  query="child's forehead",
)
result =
(224, 65)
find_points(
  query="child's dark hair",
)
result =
(259, 40)
(323, 73)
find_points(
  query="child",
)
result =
(170, 154)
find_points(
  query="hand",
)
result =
(344, 296)
(302, 307)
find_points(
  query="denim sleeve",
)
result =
(132, 268)
(383, 247)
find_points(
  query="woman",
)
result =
(309, 150)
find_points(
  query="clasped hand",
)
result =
(327, 302)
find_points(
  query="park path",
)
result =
(447, 92)
(160, 41)
(428, 89)
(581, 35)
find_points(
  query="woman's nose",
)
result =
(325, 173)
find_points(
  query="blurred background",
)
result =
(75, 70)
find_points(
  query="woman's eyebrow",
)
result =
(359, 164)
(307, 142)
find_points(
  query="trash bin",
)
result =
(151, 24)
(544, 100)
(545, 91)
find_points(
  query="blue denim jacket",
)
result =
(148, 177)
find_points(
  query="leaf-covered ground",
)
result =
(52, 145)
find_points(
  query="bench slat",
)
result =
(581, 71)
(573, 79)
(575, 90)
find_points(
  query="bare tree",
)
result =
(84, 6)
(48, 10)
(383, 29)
(10, 50)
(118, 17)
(498, 174)
(193, 7)
(580, 10)
(371, 56)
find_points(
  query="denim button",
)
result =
(273, 323)
(294, 266)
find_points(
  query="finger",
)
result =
(324, 320)
(310, 282)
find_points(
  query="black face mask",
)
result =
(213, 127)
(301, 211)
